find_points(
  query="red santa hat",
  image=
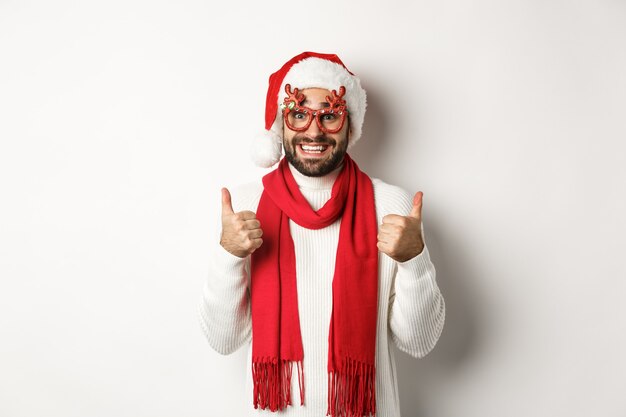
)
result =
(306, 70)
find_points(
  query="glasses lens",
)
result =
(331, 121)
(298, 119)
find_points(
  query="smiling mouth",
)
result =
(313, 149)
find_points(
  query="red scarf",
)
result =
(276, 337)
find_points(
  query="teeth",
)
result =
(313, 148)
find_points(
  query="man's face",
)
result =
(313, 152)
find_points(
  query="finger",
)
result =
(389, 229)
(394, 219)
(416, 211)
(383, 247)
(254, 234)
(227, 206)
(252, 224)
(387, 238)
(256, 243)
(247, 215)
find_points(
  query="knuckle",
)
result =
(248, 214)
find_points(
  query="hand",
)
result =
(241, 232)
(400, 237)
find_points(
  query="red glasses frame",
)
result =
(337, 106)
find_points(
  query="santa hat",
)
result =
(307, 70)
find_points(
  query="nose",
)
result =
(313, 132)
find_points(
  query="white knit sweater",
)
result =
(411, 309)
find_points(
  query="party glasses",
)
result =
(329, 119)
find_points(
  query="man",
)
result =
(320, 267)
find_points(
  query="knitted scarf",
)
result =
(276, 337)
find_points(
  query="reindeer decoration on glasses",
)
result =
(329, 119)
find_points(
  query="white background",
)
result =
(121, 120)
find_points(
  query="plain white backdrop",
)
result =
(121, 120)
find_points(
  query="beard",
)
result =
(313, 167)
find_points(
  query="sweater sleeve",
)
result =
(224, 310)
(416, 305)
(417, 308)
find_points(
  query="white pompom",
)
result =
(266, 149)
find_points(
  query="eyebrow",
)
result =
(323, 103)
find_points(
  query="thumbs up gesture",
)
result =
(241, 232)
(400, 237)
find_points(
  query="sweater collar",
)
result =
(316, 183)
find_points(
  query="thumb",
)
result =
(227, 206)
(416, 211)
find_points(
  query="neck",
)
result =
(316, 183)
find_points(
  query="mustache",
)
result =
(297, 140)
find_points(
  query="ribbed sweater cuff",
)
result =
(227, 267)
(226, 260)
(419, 265)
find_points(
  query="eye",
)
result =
(328, 117)
(299, 115)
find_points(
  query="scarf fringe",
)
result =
(352, 390)
(272, 383)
